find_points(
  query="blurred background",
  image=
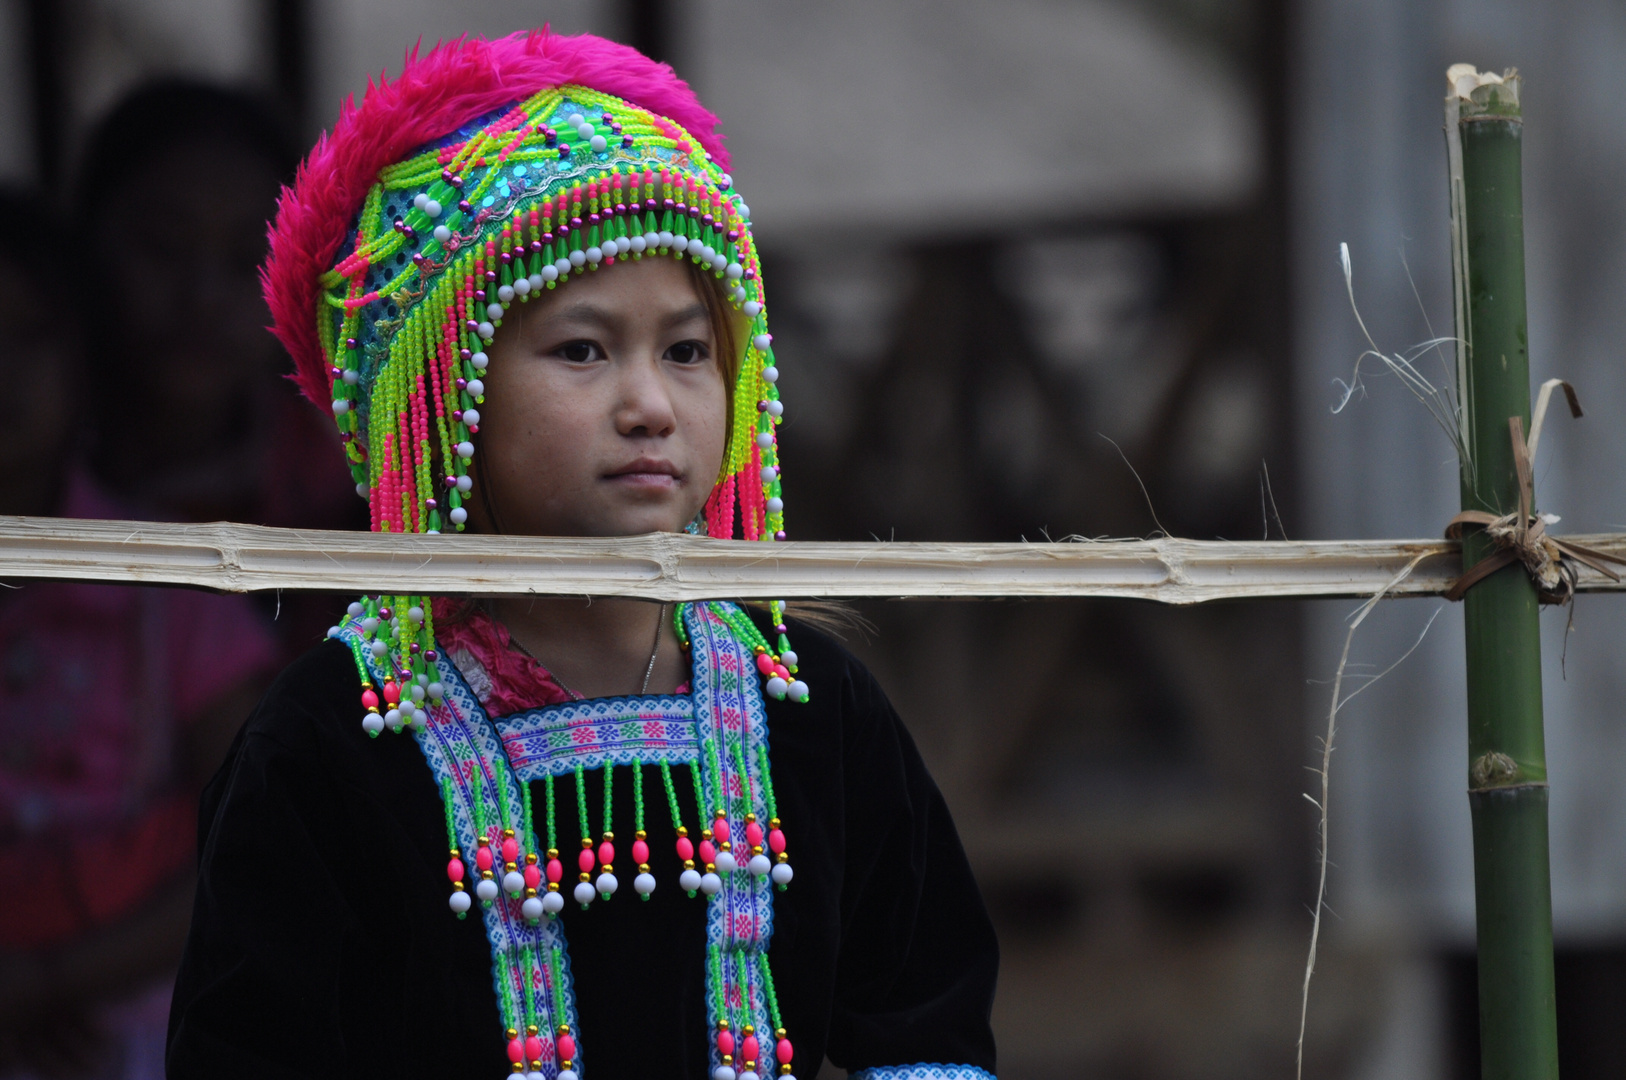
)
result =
(1040, 268)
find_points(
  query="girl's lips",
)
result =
(647, 473)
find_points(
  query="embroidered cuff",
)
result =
(922, 1072)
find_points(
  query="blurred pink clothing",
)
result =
(97, 684)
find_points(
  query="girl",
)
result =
(550, 837)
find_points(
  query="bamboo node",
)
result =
(1493, 770)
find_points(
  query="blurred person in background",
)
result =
(116, 704)
(193, 419)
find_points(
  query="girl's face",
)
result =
(605, 410)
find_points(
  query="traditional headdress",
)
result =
(488, 172)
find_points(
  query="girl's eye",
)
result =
(687, 352)
(578, 352)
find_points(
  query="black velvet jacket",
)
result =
(321, 943)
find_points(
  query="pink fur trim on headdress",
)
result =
(436, 94)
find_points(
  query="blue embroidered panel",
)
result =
(922, 1072)
(559, 739)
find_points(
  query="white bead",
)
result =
(745, 211)
(752, 309)
(393, 717)
(782, 873)
(537, 280)
(733, 271)
(418, 692)
(423, 680)
(459, 515)
(476, 387)
(584, 892)
(718, 260)
(764, 439)
(776, 408)
(333, 631)
(379, 648)
(419, 199)
(770, 374)
(479, 360)
(407, 708)
(637, 244)
(420, 720)
(536, 1075)
(415, 613)
(494, 311)
(521, 287)
(597, 143)
(748, 1075)
(797, 690)
(465, 450)
(689, 880)
(760, 865)
(706, 252)
(788, 657)
(606, 883)
(432, 208)
(460, 902)
(769, 474)
(722, 1072)
(442, 233)
(505, 293)
(465, 484)
(594, 255)
(436, 691)
(340, 406)
(762, 341)
(351, 377)
(726, 863)
(584, 129)
(372, 723)
(562, 266)
(711, 884)
(665, 236)
(567, 1074)
(486, 890)
(361, 491)
(355, 609)
(369, 624)
(513, 882)
(644, 884)
(776, 505)
(551, 272)
(487, 331)
(680, 243)
(553, 903)
(740, 294)
(621, 246)
(652, 240)
(578, 258)
(576, 119)
(531, 908)
(776, 688)
(471, 417)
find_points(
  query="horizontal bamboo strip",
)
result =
(664, 566)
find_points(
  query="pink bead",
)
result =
(533, 877)
(510, 850)
(753, 834)
(556, 870)
(454, 870)
(516, 1050)
(748, 1050)
(567, 1047)
(392, 693)
(533, 1048)
(764, 663)
(782, 671)
(776, 841)
(369, 699)
(640, 852)
(482, 858)
(719, 829)
(606, 853)
(783, 1052)
(725, 1042)
(708, 854)
(585, 860)
(685, 848)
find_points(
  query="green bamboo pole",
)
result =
(1507, 791)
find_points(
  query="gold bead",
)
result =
(486, 874)
(749, 1030)
(457, 886)
(530, 858)
(529, 892)
(784, 856)
(728, 1059)
(773, 823)
(512, 1034)
(688, 864)
(756, 850)
(608, 835)
(683, 830)
(530, 1029)
(510, 867)
(553, 886)
(585, 876)
(553, 853)
(749, 818)
(779, 1033)
(564, 1029)
(456, 853)
(643, 868)
(508, 834)
(587, 842)
(641, 835)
